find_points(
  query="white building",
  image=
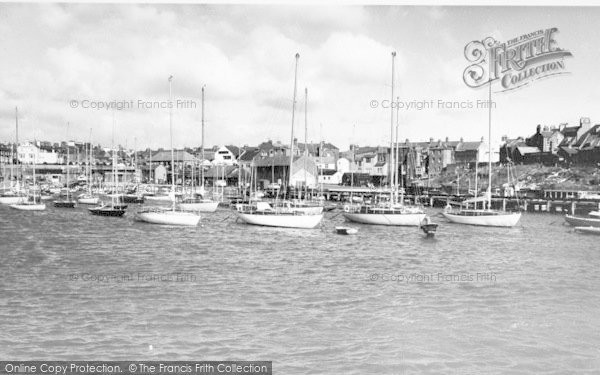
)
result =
(304, 167)
(29, 153)
(226, 155)
(331, 177)
(344, 165)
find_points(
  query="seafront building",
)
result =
(553, 145)
(313, 163)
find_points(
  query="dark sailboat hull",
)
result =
(64, 204)
(115, 212)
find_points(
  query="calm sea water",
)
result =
(386, 301)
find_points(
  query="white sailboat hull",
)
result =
(399, 219)
(314, 210)
(306, 210)
(281, 220)
(199, 206)
(29, 207)
(169, 217)
(10, 200)
(160, 198)
(91, 200)
(504, 219)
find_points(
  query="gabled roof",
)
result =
(571, 131)
(527, 150)
(515, 142)
(277, 161)
(270, 145)
(469, 146)
(234, 150)
(590, 139)
(329, 146)
(179, 155)
(249, 154)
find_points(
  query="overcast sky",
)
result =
(54, 54)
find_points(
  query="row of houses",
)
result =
(551, 145)
(268, 162)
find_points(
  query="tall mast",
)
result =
(476, 170)
(114, 163)
(171, 137)
(202, 165)
(90, 162)
(305, 138)
(293, 114)
(135, 159)
(490, 144)
(391, 179)
(150, 171)
(68, 161)
(321, 157)
(396, 155)
(19, 168)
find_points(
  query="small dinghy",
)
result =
(346, 230)
(588, 230)
(428, 227)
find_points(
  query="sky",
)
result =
(59, 60)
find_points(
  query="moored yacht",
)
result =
(262, 213)
(392, 212)
(174, 216)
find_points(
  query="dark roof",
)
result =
(270, 145)
(328, 172)
(590, 139)
(277, 161)
(569, 150)
(234, 150)
(468, 146)
(249, 154)
(570, 131)
(380, 163)
(179, 155)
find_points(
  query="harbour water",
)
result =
(385, 301)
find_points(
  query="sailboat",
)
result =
(303, 205)
(89, 197)
(199, 203)
(115, 209)
(173, 216)
(14, 195)
(68, 202)
(134, 195)
(262, 213)
(35, 204)
(484, 216)
(388, 213)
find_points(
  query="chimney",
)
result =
(538, 129)
(481, 139)
(584, 126)
(461, 140)
(407, 141)
(447, 139)
(431, 140)
(505, 138)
